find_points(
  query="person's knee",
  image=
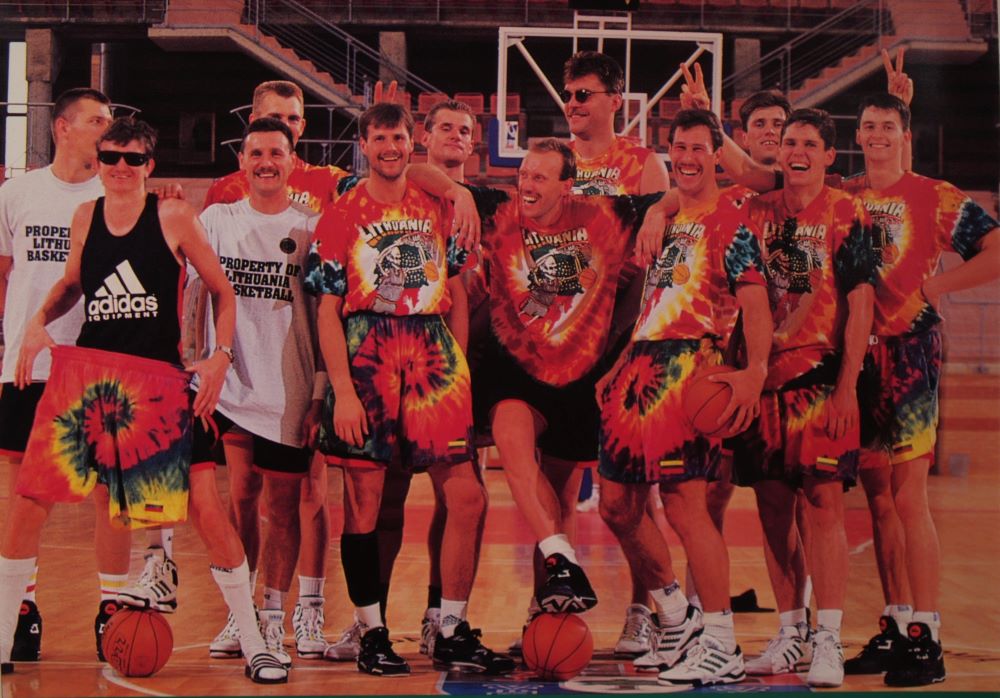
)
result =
(826, 505)
(283, 502)
(465, 500)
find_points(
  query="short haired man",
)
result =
(708, 250)
(918, 218)
(127, 257)
(385, 266)
(36, 210)
(262, 243)
(817, 250)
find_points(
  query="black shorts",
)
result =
(17, 413)
(269, 457)
(572, 417)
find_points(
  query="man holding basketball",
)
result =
(707, 250)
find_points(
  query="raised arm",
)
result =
(900, 85)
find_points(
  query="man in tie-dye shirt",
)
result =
(708, 251)
(385, 266)
(918, 219)
(817, 251)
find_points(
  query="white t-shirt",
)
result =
(36, 210)
(269, 388)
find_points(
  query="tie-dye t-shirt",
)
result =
(393, 259)
(916, 219)
(552, 288)
(707, 251)
(312, 186)
(616, 171)
(813, 258)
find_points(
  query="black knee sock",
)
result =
(359, 556)
(433, 597)
(383, 600)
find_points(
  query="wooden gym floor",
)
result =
(966, 509)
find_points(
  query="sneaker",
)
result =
(707, 663)
(463, 650)
(877, 656)
(566, 589)
(272, 629)
(345, 649)
(104, 613)
(377, 656)
(787, 653)
(226, 644)
(264, 667)
(920, 661)
(827, 668)
(638, 634)
(307, 623)
(672, 642)
(27, 645)
(157, 585)
(429, 627)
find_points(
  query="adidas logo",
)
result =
(122, 297)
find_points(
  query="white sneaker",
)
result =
(272, 628)
(429, 627)
(226, 644)
(157, 585)
(827, 668)
(638, 635)
(705, 664)
(786, 653)
(671, 643)
(307, 624)
(345, 649)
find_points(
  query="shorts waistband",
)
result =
(111, 359)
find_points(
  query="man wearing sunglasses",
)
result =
(119, 397)
(608, 164)
(35, 213)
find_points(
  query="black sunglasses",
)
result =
(112, 157)
(581, 95)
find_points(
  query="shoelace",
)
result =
(150, 572)
(694, 656)
(311, 623)
(636, 627)
(350, 634)
(274, 635)
(826, 652)
(231, 630)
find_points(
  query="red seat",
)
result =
(473, 99)
(668, 108)
(513, 103)
(472, 166)
(426, 100)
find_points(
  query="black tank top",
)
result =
(131, 288)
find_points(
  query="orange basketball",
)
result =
(705, 400)
(137, 642)
(557, 646)
(588, 277)
(431, 271)
(681, 274)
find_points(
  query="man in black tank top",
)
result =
(128, 252)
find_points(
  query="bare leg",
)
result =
(687, 512)
(887, 529)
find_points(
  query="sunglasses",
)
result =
(581, 95)
(112, 157)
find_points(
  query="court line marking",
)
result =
(114, 677)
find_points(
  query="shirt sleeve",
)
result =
(326, 265)
(964, 222)
(6, 227)
(742, 259)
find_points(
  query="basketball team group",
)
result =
(601, 307)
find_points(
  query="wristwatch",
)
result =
(228, 351)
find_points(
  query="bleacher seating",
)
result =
(473, 99)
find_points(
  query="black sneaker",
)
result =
(28, 634)
(6, 668)
(877, 656)
(567, 589)
(104, 613)
(463, 650)
(920, 661)
(376, 655)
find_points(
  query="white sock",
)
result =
(671, 605)
(31, 586)
(901, 613)
(452, 613)
(558, 543)
(369, 616)
(167, 541)
(311, 586)
(111, 584)
(829, 619)
(932, 619)
(795, 617)
(235, 586)
(253, 581)
(14, 575)
(807, 591)
(274, 599)
(720, 626)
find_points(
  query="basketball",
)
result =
(704, 400)
(557, 646)
(137, 642)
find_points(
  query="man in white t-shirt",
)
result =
(262, 242)
(35, 213)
